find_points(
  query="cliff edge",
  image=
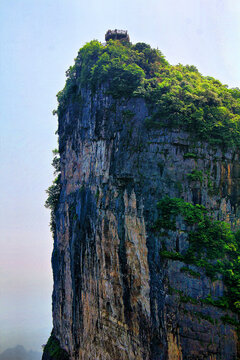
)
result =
(145, 210)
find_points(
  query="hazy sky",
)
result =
(38, 41)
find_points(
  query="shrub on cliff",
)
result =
(53, 192)
(53, 351)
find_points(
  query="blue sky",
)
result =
(39, 40)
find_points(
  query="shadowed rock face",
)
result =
(111, 297)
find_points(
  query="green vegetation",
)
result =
(188, 299)
(97, 194)
(127, 115)
(54, 350)
(180, 97)
(212, 245)
(228, 320)
(191, 272)
(54, 190)
(190, 156)
(196, 175)
(117, 64)
(169, 208)
(172, 255)
(177, 96)
(202, 316)
(221, 302)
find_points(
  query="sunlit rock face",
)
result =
(115, 297)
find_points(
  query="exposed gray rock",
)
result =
(111, 297)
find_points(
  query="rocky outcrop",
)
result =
(115, 297)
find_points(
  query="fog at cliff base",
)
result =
(39, 41)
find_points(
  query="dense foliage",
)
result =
(54, 190)
(177, 96)
(54, 351)
(212, 245)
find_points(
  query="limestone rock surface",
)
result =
(111, 297)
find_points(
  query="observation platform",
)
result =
(117, 35)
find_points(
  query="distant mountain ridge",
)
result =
(19, 353)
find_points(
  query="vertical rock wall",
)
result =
(113, 295)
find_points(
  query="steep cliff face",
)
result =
(123, 288)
